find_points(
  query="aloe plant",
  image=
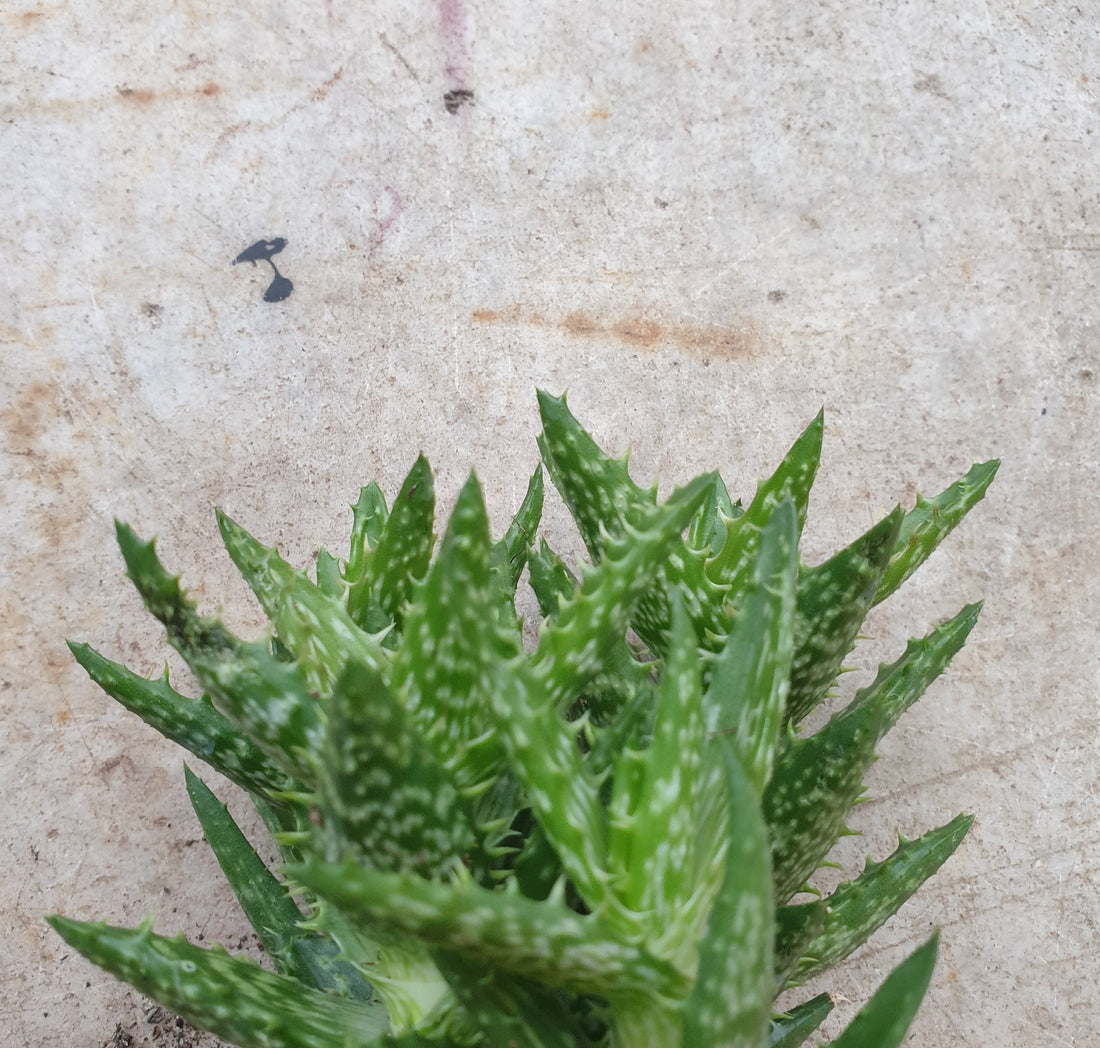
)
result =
(603, 839)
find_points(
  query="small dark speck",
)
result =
(453, 101)
(1043, 412)
(153, 311)
(662, 204)
(776, 296)
(931, 84)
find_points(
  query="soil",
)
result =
(159, 1029)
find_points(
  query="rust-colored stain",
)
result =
(599, 113)
(62, 717)
(24, 420)
(639, 331)
(35, 410)
(580, 324)
(138, 95)
(144, 96)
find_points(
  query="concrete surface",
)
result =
(704, 219)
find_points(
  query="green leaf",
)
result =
(400, 970)
(795, 928)
(451, 640)
(898, 685)
(707, 531)
(267, 904)
(315, 627)
(749, 677)
(545, 758)
(596, 488)
(818, 779)
(573, 645)
(400, 550)
(509, 1010)
(859, 908)
(266, 698)
(651, 814)
(621, 676)
(193, 723)
(329, 580)
(231, 998)
(814, 785)
(530, 696)
(730, 1003)
(792, 1028)
(509, 555)
(885, 1019)
(793, 479)
(369, 515)
(385, 801)
(543, 941)
(930, 521)
(604, 502)
(833, 600)
(551, 581)
(537, 868)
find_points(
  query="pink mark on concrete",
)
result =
(452, 24)
(385, 224)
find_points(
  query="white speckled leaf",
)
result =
(385, 802)
(399, 556)
(543, 941)
(269, 700)
(193, 723)
(529, 697)
(857, 909)
(315, 627)
(509, 554)
(234, 999)
(813, 787)
(652, 811)
(833, 600)
(818, 779)
(442, 668)
(730, 1003)
(573, 644)
(510, 1010)
(749, 677)
(930, 522)
(899, 684)
(793, 479)
(596, 488)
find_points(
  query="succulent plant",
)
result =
(602, 837)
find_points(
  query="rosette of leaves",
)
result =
(602, 838)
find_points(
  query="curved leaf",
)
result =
(224, 995)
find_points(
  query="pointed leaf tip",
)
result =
(885, 1019)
